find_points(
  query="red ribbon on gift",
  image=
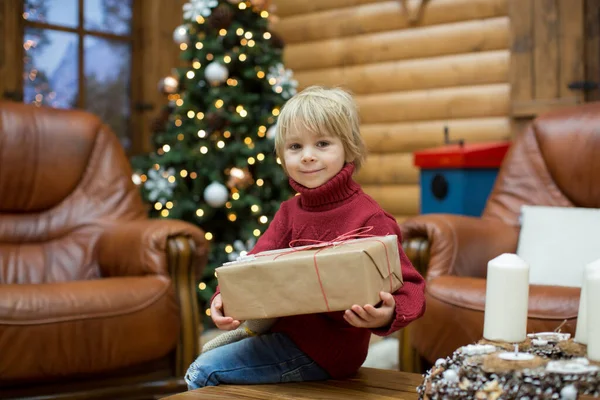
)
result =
(340, 240)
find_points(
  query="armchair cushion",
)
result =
(88, 326)
(460, 245)
(136, 248)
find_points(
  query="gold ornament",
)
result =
(239, 178)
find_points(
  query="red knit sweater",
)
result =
(323, 213)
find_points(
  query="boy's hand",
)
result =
(216, 313)
(371, 317)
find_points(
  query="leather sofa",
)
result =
(554, 162)
(96, 300)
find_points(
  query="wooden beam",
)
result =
(11, 57)
(388, 169)
(521, 47)
(285, 8)
(457, 102)
(460, 37)
(396, 199)
(571, 45)
(159, 55)
(427, 73)
(545, 51)
(412, 136)
(378, 17)
(592, 46)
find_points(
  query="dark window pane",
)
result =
(111, 16)
(56, 12)
(107, 72)
(50, 67)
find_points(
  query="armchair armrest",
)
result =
(140, 247)
(166, 247)
(445, 244)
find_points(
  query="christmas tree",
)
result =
(214, 163)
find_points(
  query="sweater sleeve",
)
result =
(410, 298)
(276, 236)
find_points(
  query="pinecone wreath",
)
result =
(220, 18)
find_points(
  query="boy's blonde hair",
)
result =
(322, 110)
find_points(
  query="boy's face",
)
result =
(312, 159)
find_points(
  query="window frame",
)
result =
(12, 64)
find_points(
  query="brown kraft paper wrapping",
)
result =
(285, 282)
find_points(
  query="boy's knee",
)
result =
(199, 376)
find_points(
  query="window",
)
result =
(78, 54)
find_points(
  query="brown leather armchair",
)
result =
(96, 300)
(554, 162)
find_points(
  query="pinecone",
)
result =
(221, 17)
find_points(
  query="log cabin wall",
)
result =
(410, 79)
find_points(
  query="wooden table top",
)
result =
(368, 384)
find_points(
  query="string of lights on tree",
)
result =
(214, 163)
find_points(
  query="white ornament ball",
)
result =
(271, 132)
(216, 73)
(180, 35)
(440, 362)
(450, 376)
(216, 194)
(569, 392)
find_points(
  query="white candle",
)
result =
(581, 329)
(506, 299)
(593, 315)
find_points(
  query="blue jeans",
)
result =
(268, 358)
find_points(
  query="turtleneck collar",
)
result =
(329, 195)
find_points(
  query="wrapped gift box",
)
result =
(310, 279)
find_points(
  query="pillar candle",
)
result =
(581, 329)
(506, 299)
(593, 315)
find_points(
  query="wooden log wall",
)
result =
(410, 79)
